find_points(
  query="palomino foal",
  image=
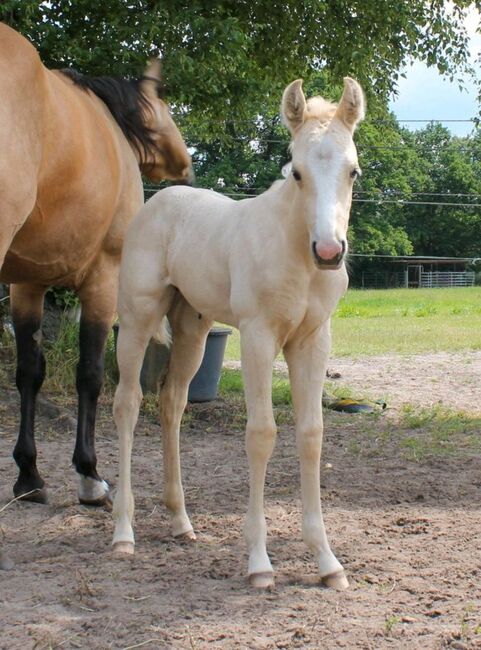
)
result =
(273, 266)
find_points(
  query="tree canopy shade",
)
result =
(226, 64)
(224, 58)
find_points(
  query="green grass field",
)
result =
(401, 321)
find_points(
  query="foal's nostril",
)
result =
(330, 250)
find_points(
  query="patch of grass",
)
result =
(231, 383)
(62, 358)
(407, 321)
(437, 430)
(390, 623)
(231, 387)
(400, 321)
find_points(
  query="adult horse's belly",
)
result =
(18, 268)
(57, 252)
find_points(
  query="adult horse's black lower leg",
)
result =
(90, 372)
(27, 306)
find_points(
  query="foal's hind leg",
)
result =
(189, 332)
(307, 362)
(139, 319)
(27, 309)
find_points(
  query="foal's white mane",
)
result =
(320, 109)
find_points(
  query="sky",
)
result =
(426, 95)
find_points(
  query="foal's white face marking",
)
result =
(324, 165)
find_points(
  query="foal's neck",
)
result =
(289, 214)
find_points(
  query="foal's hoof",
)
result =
(94, 493)
(37, 495)
(264, 580)
(123, 548)
(188, 537)
(6, 563)
(336, 581)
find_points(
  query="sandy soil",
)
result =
(407, 532)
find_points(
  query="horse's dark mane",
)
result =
(126, 102)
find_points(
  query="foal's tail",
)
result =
(163, 334)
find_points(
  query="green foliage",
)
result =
(62, 358)
(223, 60)
(64, 298)
(226, 64)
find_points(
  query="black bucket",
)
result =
(205, 383)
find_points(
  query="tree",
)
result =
(454, 179)
(226, 59)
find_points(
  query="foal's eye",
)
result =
(296, 175)
(354, 174)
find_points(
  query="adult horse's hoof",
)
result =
(264, 580)
(336, 581)
(94, 493)
(123, 548)
(37, 495)
(105, 502)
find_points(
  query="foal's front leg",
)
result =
(258, 351)
(307, 362)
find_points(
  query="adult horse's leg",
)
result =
(27, 308)
(189, 333)
(98, 300)
(139, 317)
(258, 351)
(307, 361)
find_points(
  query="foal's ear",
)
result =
(293, 106)
(152, 79)
(352, 106)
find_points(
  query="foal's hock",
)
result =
(273, 266)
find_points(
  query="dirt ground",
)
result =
(407, 529)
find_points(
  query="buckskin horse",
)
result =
(73, 149)
(273, 266)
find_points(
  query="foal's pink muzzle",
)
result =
(329, 256)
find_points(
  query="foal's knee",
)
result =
(309, 442)
(261, 437)
(126, 401)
